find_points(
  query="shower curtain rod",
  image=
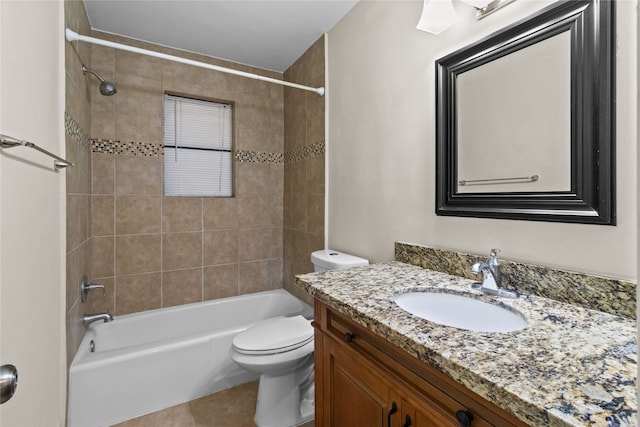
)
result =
(73, 36)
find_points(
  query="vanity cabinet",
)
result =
(362, 380)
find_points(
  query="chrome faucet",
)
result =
(491, 276)
(88, 319)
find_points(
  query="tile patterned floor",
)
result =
(229, 408)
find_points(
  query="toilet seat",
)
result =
(275, 336)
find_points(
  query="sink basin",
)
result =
(460, 312)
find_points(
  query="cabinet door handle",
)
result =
(407, 421)
(465, 418)
(393, 410)
(349, 336)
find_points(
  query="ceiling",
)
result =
(263, 33)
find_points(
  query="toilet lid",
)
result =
(275, 336)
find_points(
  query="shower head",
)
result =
(106, 88)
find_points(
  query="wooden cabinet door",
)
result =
(354, 393)
(363, 381)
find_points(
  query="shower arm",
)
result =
(73, 36)
(85, 70)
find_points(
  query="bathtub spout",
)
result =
(88, 319)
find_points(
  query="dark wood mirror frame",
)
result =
(591, 199)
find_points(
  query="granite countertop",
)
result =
(570, 366)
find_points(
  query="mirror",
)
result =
(525, 120)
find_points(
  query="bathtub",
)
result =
(149, 361)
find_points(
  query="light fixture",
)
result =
(438, 15)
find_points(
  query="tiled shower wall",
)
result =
(152, 251)
(78, 151)
(304, 172)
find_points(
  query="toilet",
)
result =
(281, 352)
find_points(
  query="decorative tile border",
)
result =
(258, 157)
(109, 146)
(133, 148)
(306, 152)
(595, 292)
(74, 130)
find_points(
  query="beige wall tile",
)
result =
(252, 179)
(276, 249)
(181, 214)
(103, 110)
(277, 212)
(315, 175)
(298, 218)
(138, 254)
(276, 273)
(254, 276)
(72, 278)
(301, 253)
(73, 225)
(138, 292)
(75, 331)
(73, 175)
(220, 212)
(253, 139)
(294, 110)
(220, 281)
(102, 215)
(286, 209)
(315, 214)
(299, 177)
(138, 175)
(181, 250)
(103, 171)
(287, 243)
(78, 218)
(254, 244)
(102, 257)
(254, 211)
(103, 59)
(181, 287)
(220, 247)
(315, 129)
(139, 108)
(138, 214)
(129, 64)
(83, 166)
(276, 179)
(184, 79)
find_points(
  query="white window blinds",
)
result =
(197, 147)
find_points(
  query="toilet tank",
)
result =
(328, 259)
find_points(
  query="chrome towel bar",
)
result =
(532, 178)
(10, 142)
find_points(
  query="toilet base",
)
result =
(286, 400)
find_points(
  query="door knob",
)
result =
(8, 382)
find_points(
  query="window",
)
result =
(197, 147)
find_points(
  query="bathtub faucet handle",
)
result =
(86, 287)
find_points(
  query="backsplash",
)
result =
(595, 292)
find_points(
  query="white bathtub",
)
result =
(148, 361)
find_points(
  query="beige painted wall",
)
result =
(32, 212)
(381, 146)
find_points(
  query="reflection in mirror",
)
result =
(525, 125)
(514, 121)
